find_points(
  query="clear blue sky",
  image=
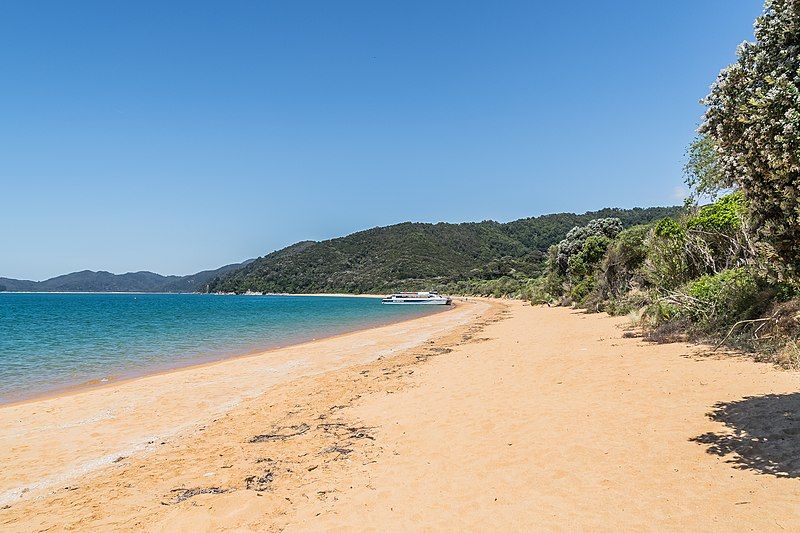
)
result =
(179, 136)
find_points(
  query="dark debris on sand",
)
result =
(185, 494)
(283, 433)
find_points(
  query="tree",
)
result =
(753, 118)
(703, 172)
(573, 243)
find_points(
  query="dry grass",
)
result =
(789, 356)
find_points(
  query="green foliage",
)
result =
(625, 304)
(723, 216)
(573, 244)
(753, 117)
(506, 286)
(661, 312)
(553, 281)
(703, 172)
(691, 268)
(581, 289)
(536, 291)
(670, 229)
(472, 258)
(667, 265)
(540, 233)
(623, 261)
(573, 263)
(711, 239)
(723, 299)
(594, 249)
(629, 248)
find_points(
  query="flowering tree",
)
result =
(573, 244)
(753, 118)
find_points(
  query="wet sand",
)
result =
(498, 416)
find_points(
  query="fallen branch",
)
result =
(753, 321)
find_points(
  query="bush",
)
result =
(633, 301)
(716, 301)
(727, 295)
(713, 239)
(535, 291)
(621, 266)
(723, 216)
(581, 290)
(666, 266)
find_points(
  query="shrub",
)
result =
(582, 289)
(669, 228)
(723, 216)
(718, 300)
(535, 291)
(717, 236)
(712, 239)
(631, 302)
(554, 280)
(621, 266)
(666, 265)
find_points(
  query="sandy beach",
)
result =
(494, 415)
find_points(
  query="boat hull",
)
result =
(443, 301)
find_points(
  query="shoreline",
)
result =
(99, 424)
(110, 381)
(334, 294)
(512, 417)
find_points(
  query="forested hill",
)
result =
(91, 281)
(417, 255)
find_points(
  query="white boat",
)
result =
(418, 298)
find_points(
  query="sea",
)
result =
(55, 341)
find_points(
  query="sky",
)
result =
(181, 136)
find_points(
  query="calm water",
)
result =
(52, 341)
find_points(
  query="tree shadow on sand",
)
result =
(764, 434)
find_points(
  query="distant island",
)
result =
(469, 258)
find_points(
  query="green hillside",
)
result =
(417, 255)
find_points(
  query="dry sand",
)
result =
(495, 415)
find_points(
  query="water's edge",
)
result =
(208, 359)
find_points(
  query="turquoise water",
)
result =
(52, 341)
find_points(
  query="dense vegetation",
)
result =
(728, 270)
(471, 258)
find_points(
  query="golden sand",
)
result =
(495, 415)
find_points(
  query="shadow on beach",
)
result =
(764, 436)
